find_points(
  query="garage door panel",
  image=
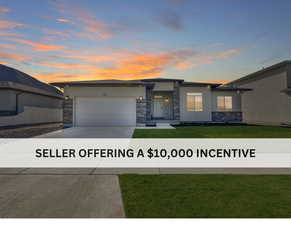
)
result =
(105, 111)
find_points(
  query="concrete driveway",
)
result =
(60, 196)
(63, 192)
(91, 132)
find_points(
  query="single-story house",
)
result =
(134, 102)
(269, 102)
(27, 101)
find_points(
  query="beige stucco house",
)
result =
(147, 101)
(269, 102)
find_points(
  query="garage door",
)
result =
(105, 111)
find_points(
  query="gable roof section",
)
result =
(269, 71)
(14, 79)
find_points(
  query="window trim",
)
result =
(224, 109)
(194, 109)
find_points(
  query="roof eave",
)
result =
(287, 91)
(260, 72)
(28, 89)
(62, 85)
(231, 89)
(200, 85)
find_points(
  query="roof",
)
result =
(199, 84)
(287, 90)
(162, 80)
(10, 76)
(261, 73)
(114, 82)
(230, 89)
(145, 82)
(101, 83)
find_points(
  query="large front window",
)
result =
(224, 103)
(194, 102)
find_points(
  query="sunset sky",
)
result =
(195, 40)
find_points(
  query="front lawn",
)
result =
(216, 132)
(206, 196)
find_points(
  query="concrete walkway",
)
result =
(91, 132)
(81, 192)
(60, 196)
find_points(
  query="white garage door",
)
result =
(105, 111)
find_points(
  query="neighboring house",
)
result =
(132, 102)
(269, 102)
(26, 101)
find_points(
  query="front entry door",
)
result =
(162, 107)
(158, 108)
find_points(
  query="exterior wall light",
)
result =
(140, 98)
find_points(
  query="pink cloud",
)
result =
(9, 33)
(7, 46)
(3, 10)
(199, 60)
(13, 56)
(65, 21)
(37, 45)
(90, 27)
(4, 24)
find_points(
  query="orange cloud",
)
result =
(183, 65)
(65, 21)
(8, 46)
(227, 53)
(92, 59)
(200, 60)
(78, 66)
(37, 45)
(215, 81)
(64, 76)
(13, 56)
(4, 24)
(219, 55)
(94, 26)
(125, 65)
(144, 65)
(130, 66)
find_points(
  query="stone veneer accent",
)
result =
(141, 111)
(226, 116)
(176, 101)
(149, 92)
(68, 111)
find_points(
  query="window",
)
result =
(194, 102)
(224, 103)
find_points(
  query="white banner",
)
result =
(145, 153)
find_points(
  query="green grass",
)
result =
(216, 132)
(206, 196)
